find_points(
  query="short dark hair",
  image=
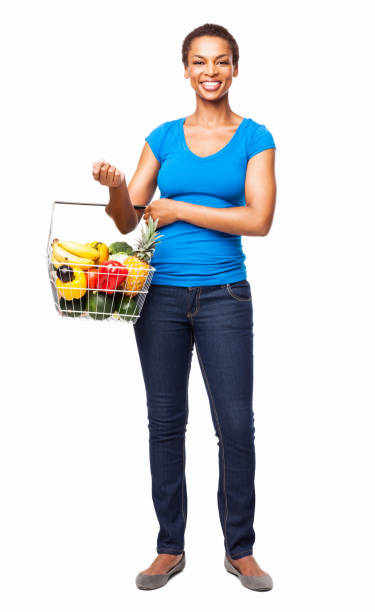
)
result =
(210, 29)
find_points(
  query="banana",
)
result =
(81, 250)
(60, 254)
(55, 261)
(102, 249)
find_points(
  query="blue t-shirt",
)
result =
(189, 255)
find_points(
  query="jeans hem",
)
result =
(244, 553)
(169, 552)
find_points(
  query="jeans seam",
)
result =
(198, 300)
(222, 444)
(192, 314)
(239, 299)
(184, 514)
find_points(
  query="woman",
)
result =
(215, 171)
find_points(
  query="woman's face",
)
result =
(210, 59)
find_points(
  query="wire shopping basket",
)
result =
(94, 280)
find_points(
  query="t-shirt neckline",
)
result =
(224, 148)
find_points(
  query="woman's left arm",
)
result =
(254, 219)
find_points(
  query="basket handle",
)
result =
(95, 204)
(76, 204)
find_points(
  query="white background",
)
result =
(84, 81)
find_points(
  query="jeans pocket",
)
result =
(240, 290)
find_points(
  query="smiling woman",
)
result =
(215, 172)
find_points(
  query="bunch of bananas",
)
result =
(76, 254)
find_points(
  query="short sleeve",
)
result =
(155, 140)
(262, 140)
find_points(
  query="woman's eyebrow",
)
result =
(202, 56)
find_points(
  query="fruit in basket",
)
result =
(70, 282)
(138, 264)
(81, 250)
(103, 250)
(55, 261)
(107, 276)
(127, 308)
(73, 308)
(92, 277)
(111, 275)
(100, 305)
(61, 255)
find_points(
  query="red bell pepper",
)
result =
(92, 276)
(110, 275)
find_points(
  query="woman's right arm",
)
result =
(122, 198)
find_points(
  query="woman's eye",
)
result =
(202, 62)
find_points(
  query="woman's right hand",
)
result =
(107, 175)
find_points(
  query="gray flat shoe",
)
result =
(154, 581)
(255, 583)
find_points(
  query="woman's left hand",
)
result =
(164, 209)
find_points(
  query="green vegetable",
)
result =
(73, 308)
(127, 308)
(100, 305)
(120, 247)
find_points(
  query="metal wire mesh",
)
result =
(98, 292)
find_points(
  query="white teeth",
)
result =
(210, 84)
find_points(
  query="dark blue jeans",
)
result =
(218, 321)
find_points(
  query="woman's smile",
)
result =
(210, 85)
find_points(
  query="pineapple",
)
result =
(138, 263)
